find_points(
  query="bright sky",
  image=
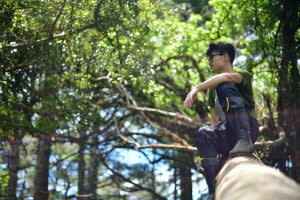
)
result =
(134, 157)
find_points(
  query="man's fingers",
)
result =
(187, 103)
(188, 100)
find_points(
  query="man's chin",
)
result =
(214, 71)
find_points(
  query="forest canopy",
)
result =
(92, 92)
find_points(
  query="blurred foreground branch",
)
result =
(244, 178)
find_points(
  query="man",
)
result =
(234, 128)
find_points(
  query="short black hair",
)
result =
(221, 47)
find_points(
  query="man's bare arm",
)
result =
(218, 79)
(212, 83)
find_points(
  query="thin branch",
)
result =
(222, 21)
(178, 127)
(186, 148)
(123, 137)
(189, 149)
(271, 144)
(187, 57)
(138, 186)
(47, 39)
(136, 145)
(267, 99)
(165, 131)
(177, 116)
(169, 83)
(56, 19)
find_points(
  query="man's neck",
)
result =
(227, 69)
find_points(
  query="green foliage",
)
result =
(62, 64)
(4, 178)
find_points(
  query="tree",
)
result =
(94, 80)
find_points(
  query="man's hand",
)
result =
(190, 98)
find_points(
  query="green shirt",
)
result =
(244, 89)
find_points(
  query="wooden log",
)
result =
(245, 178)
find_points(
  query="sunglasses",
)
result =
(211, 57)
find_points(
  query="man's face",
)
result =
(216, 61)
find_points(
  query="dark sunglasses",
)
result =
(211, 57)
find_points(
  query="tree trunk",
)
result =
(22, 191)
(93, 169)
(81, 168)
(153, 181)
(289, 83)
(175, 180)
(185, 175)
(13, 164)
(42, 168)
(244, 178)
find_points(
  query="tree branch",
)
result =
(177, 116)
(47, 39)
(272, 143)
(56, 19)
(186, 148)
(187, 57)
(138, 186)
(165, 131)
(244, 178)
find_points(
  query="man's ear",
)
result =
(226, 57)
